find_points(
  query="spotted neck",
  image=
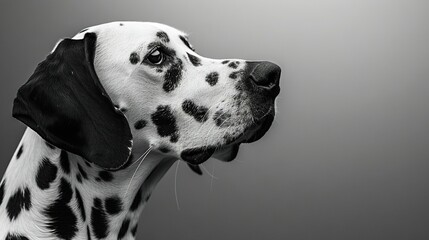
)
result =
(48, 193)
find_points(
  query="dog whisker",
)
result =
(175, 185)
(205, 115)
(208, 134)
(145, 154)
(211, 180)
(138, 159)
(207, 171)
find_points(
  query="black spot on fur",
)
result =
(233, 65)
(196, 61)
(140, 124)
(99, 222)
(160, 70)
(50, 145)
(124, 228)
(165, 122)
(113, 205)
(80, 204)
(212, 78)
(14, 236)
(20, 200)
(225, 61)
(97, 203)
(105, 176)
(46, 174)
(137, 200)
(134, 58)
(2, 186)
(121, 24)
(198, 112)
(174, 138)
(61, 218)
(82, 172)
(173, 76)
(186, 42)
(134, 230)
(79, 177)
(88, 233)
(235, 74)
(221, 118)
(163, 36)
(164, 149)
(18, 154)
(64, 162)
(65, 191)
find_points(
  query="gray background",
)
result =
(348, 155)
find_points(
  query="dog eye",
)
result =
(156, 57)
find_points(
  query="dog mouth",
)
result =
(229, 149)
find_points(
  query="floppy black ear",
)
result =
(65, 103)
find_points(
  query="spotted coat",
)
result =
(112, 96)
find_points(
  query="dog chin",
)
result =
(228, 151)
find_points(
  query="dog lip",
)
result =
(197, 155)
(252, 133)
(257, 130)
(261, 130)
(227, 153)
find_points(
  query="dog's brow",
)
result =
(154, 44)
(160, 45)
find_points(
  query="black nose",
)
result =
(265, 75)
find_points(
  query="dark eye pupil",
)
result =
(156, 57)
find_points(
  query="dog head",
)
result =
(119, 86)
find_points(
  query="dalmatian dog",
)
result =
(108, 112)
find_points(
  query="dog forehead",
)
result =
(116, 38)
(131, 33)
(136, 28)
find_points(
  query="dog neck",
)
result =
(53, 194)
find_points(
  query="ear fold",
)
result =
(65, 103)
